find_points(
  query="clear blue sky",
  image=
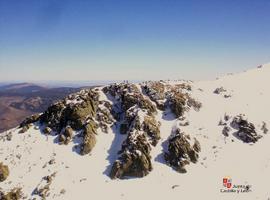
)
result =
(131, 39)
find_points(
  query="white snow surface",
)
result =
(86, 177)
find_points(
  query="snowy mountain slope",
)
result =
(33, 155)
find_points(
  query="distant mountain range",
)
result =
(19, 100)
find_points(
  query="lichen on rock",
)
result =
(181, 152)
(141, 128)
(66, 135)
(14, 194)
(89, 137)
(4, 172)
(135, 159)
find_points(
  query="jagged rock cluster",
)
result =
(245, 130)
(132, 108)
(176, 97)
(79, 112)
(181, 152)
(14, 194)
(27, 123)
(43, 188)
(4, 172)
(223, 91)
(138, 122)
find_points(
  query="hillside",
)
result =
(153, 140)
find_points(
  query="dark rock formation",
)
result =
(53, 116)
(246, 130)
(264, 128)
(77, 115)
(4, 172)
(14, 194)
(89, 138)
(104, 115)
(156, 92)
(177, 104)
(135, 159)
(140, 126)
(27, 123)
(128, 95)
(151, 128)
(66, 135)
(47, 130)
(29, 120)
(61, 114)
(181, 152)
(226, 131)
(219, 90)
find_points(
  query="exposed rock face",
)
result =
(74, 113)
(27, 123)
(29, 120)
(52, 117)
(14, 194)
(129, 95)
(141, 127)
(176, 97)
(89, 138)
(104, 115)
(43, 188)
(47, 130)
(246, 130)
(66, 135)
(4, 172)
(177, 104)
(156, 92)
(77, 115)
(181, 152)
(226, 131)
(135, 159)
(151, 128)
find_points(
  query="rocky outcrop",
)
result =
(246, 130)
(29, 120)
(14, 194)
(177, 104)
(4, 172)
(135, 159)
(77, 115)
(47, 130)
(156, 92)
(181, 152)
(74, 113)
(219, 90)
(89, 138)
(53, 116)
(104, 115)
(152, 128)
(43, 188)
(129, 95)
(141, 128)
(66, 135)
(27, 123)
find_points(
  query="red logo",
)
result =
(227, 182)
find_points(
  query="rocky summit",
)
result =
(151, 139)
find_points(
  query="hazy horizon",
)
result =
(131, 40)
